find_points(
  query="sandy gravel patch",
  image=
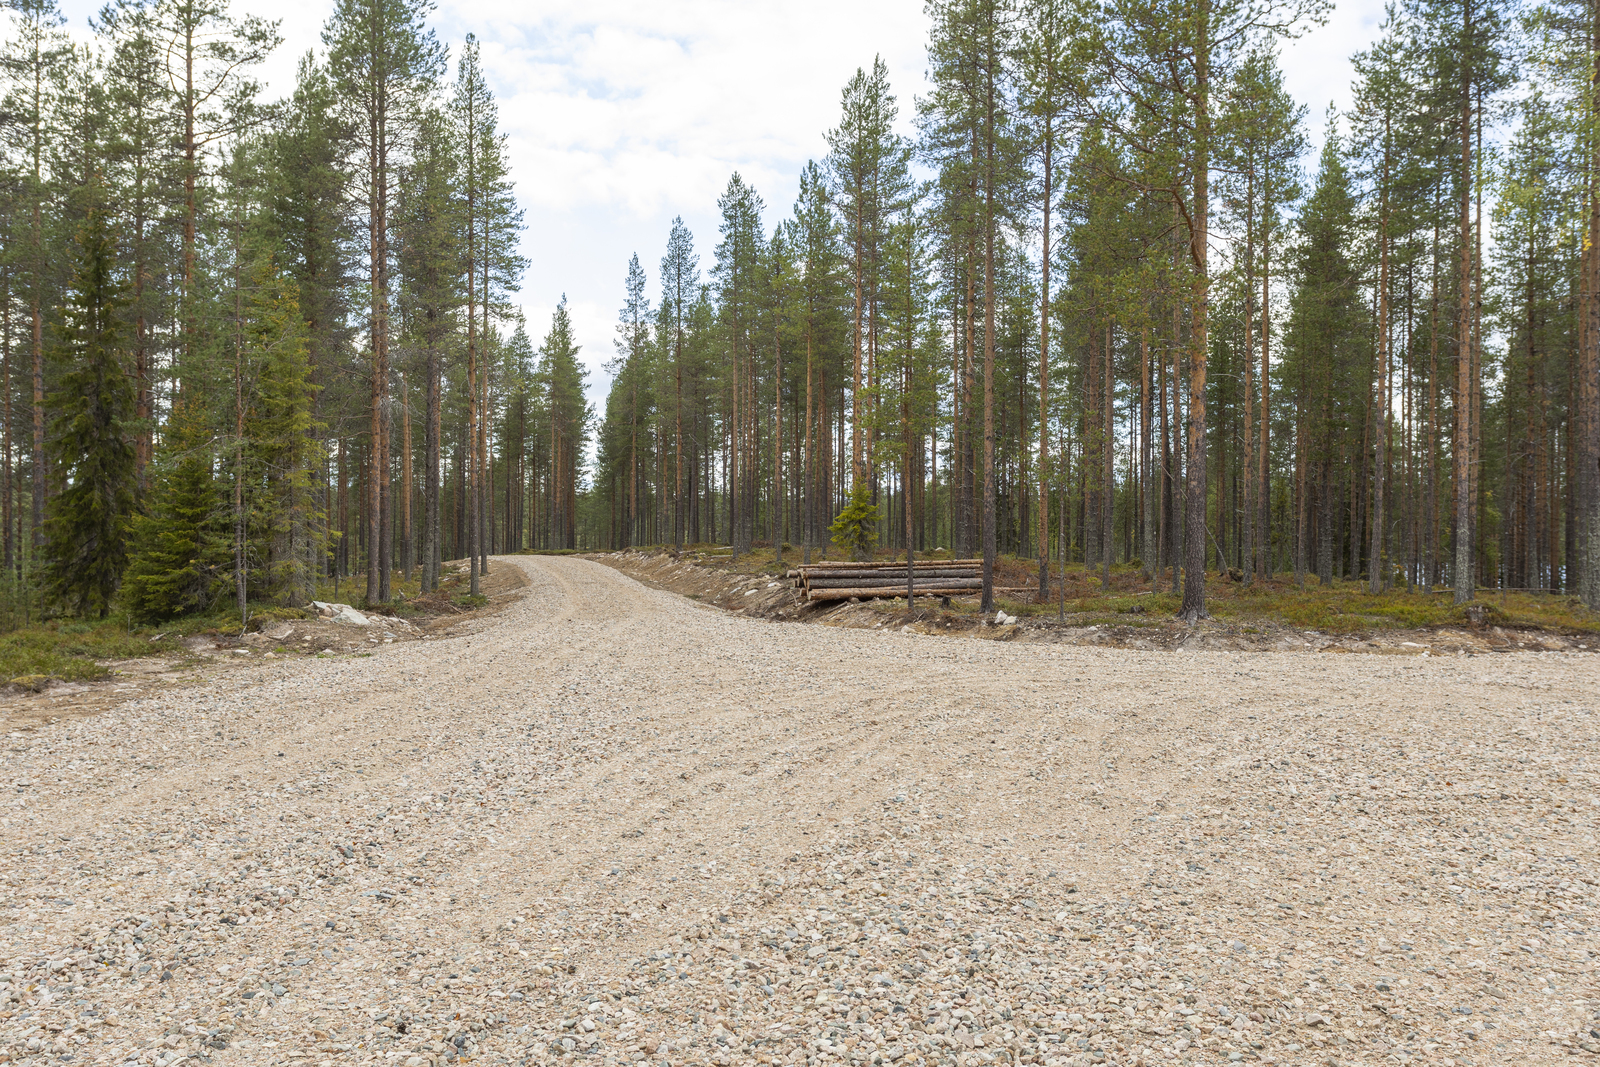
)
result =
(612, 825)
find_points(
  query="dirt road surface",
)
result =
(617, 826)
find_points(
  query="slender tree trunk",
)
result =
(1148, 480)
(1585, 449)
(808, 521)
(1462, 446)
(379, 533)
(1247, 542)
(1193, 607)
(677, 440)
(1380, 433)
(431, 526)
(8, 491)
(1108, 459)
(856, 458)
(1264, 475)
(969, 479)
(39, 462)
(777, 516)
(1044, 366)
(987, 603)
(405, 477)
(239, 543)
(485, 465)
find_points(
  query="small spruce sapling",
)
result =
(855, 530)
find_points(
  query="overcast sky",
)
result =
(624, 114)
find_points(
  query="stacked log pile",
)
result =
(842, 580)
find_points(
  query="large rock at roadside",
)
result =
(341, 613)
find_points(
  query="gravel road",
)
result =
(613, 825)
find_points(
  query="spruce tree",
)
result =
(277, 433)
(91, 436)
(179, 552)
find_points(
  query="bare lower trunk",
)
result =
(1462, 446)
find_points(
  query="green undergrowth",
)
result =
(1343, 607)
(69, 650)
(74, 649)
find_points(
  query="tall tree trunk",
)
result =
(1462, 445)
(1108, 459)
(1380, 431)
(239, 544)
(1264, 475)
(990, 133)
(8, 491)
(858, 244)
(431, 525)
(1148, 481)
(777, 516)
(1585, 450)
(379, 533)
(405, 477)
(1193, 607)
(1247, 541)
(808, 522)
(1044, 367)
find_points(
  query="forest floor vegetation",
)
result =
(1269, 615)
(74, 665)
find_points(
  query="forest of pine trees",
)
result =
(1103, 308)
(251, 350)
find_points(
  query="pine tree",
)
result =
(631, 369)
(32, 58)
(307, 224)
(91, 437)
(680, 285)
(971, 45)
(428, 226)
(208, 56)
(824, 329)
(738, 272)
(561, 377)
(1171, 60)
(143, 168)
(1260, 141)
(1325, 357)
(384, 61)
(1048, 82)
(868, 163)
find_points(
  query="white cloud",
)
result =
(624, 115)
